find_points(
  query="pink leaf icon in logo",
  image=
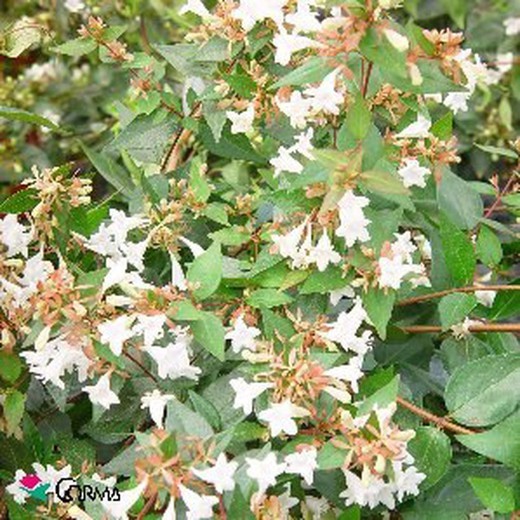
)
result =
(30, 481)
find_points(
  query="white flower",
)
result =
(350, 372)
(286, 44)
(403, 247)
(36, 270)
(264, 471)
(286, 502)
(397, 40)
(220, 475)
(195, 7)
(486, 298)
(413, 174)
(406, 482)
(288, 244)
(178, 278)
(74, 6)
(51, 476)
(303, 19)
(367, 492)
(504, 62)
(512, 25)
(54, 359)
(325, 97)
(40, 72)
(392, 271)
(195, 249)
(241, 336)
(173, 361)
(418, 130)
(297, 109)
(280, 417)
(169, 513)
(134, 253)
(15, 236)
(303, 144)
(316, 506)
(462, 330)
(337, 294)
(108, 482)
(242, 122)
(156, 403)
(353, 223)
(457, 101)
(344, 330)
(250, 11)
(118, 509)
(115, 332)
(151, 327)
(323, 253)
(100, 393)
(199, 506)
(246, 393)
(303, 463)
(390, 4)
(285, 162)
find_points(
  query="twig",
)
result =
(480, 327)
(442, 422)
(498, 200)
(364, 88)
(141, 366)
(147, 507)
(470, 289)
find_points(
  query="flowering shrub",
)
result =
(281, 301)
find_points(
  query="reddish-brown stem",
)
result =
(366, 79)
(480, 327)
(498, 200)
(470, 289)
(441, 422)
(141, 366)
(147, 507)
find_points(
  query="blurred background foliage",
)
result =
(84, 94)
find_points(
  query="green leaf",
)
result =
(77, 47)
(443, 127)
(206, 272)
(431, 449)
(14, 405)
(382, 397)
(112, 172)
(358, 118)
(146, 137)
(313, 70)
(488, 247)
(229, 146)
(484, 391)
(76, 452)
(453, 308)
(215, 118)
(209, 332)
(198, 181)
(206, 409)
(458, 252)
(383, 182)
(459, 200)
(18, 37)
(331, 457)
(379, 305)
(323, 282)
(181, 419)
(17, 114)
(493, 494)
(496, 150)
(20, 202)
(457, 9)
(268, 298)
(505, 305)
(501, 443)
